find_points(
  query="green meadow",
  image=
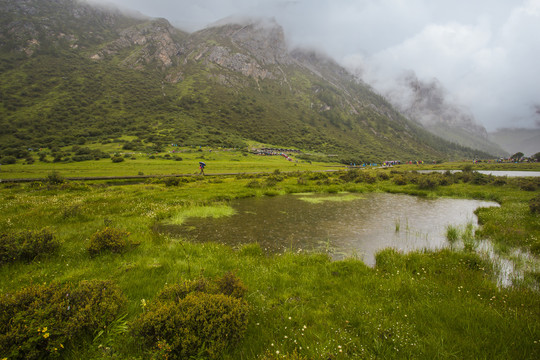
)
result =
(422, 305)
(185, 161)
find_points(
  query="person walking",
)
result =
(201, 167)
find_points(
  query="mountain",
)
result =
(526, 141)
(428, 103)
(72, 73)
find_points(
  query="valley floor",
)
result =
(441, 304)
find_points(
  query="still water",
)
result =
(342, 224)
(491, 172)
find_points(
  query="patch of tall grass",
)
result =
(211, 211)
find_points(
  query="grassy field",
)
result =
(185, 162)
(432, 305)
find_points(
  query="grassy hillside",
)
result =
(81, 82)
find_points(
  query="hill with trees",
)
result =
(73, 73)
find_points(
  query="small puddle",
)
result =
(343, 225)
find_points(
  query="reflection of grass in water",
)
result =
(214, 211)
(321, 199)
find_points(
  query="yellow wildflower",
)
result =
(46, 335)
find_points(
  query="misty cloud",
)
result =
(483, 52)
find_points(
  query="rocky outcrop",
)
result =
(150, 42)
(237, 62)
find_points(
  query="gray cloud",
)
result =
(484, 52)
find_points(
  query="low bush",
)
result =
(254, 184)
(399, 180)
(194, 319)
(54, 178)
(117, 159)
(26, 245)
(172, 181)
(528, 185)
(42, 321)
(109, 239)
(534, 205)
(427, 183)
(8, 160)
(383, 176)
(479, 179)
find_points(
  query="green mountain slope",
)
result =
(72, 73)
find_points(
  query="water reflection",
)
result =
(359, 225)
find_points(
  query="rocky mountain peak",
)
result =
(156, 41)
(262, 39)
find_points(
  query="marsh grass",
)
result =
(452, 234)
(211, 211)
(322, 199)
(422, 305)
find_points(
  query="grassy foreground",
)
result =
(434, 305)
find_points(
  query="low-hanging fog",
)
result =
(484, 53)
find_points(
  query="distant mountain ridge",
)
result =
(526, 141)
(73, 73)
(429, 104)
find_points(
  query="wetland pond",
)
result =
(342, 225)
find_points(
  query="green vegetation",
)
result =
(26, 245)
(108, 239)
(172, 325)
(164, 164)
(41, 321)
(423, 305)
(75, 83)
(85, 272)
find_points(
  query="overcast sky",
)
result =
(485, 52)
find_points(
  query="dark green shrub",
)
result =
(271, 181)
(231, 285)
(400, 180)
(499, 180)
(383, 176)
(254, 184)
(117, 159)
(196, 318)
(479, 179)
(172, 181)
(42, 321)
(54, 178)
(465, 176)
(427, 183)
(8, 160)
(527, 185)
(534, 205)
(109, 239)
(26, 245)
(364, 177)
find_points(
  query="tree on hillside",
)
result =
(517, 156)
